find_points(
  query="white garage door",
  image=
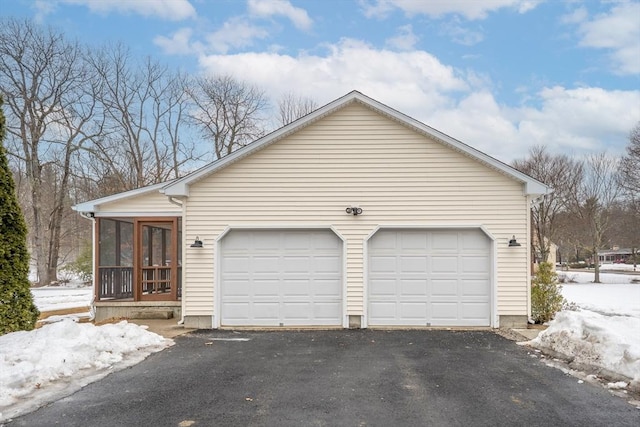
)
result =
(281, 278)
(429, 278)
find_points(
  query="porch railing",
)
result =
(115, 283)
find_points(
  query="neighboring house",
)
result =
(616, 255)
(355, 215)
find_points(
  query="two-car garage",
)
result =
(415, 277)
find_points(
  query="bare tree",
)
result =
(630, 169)
(292, 107)
(563, 175)
(594, 201)
(145, 107)
(228, 112)
(50, 97)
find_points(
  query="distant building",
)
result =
(615, 255)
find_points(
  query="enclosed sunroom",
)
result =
(137, 254)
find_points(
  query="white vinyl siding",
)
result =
(356, 157)
(151, 203)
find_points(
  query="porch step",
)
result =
(152, 314)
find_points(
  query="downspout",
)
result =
(91, 216)
(177, 202)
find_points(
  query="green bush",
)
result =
(17, 310)
(546, 294)
(83, 265)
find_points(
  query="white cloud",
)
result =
(179, 43)
(458, 103)
(470, 9)
(268, 8)
(414, 82)
(235, 33)
(590, 118)
(461, 34)
(617, 31)
(174, 10)
(404, 40)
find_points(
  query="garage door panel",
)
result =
(326, 264)
(262, 264)
(384, 241)
(413, 264)
(237, 310)
(413, 310)
(326, 241)
(264, 310)
(429, 277)
(327, 288)
(412, 241)
(237, 241)
(297, 241)
(381, 264)
(325, 311)
(411, 288)
(383, 310)
(273, 278)
(236, 264)
(474, 311)
(444, 311)
(295, 263)
(301, 310)
(475, 241)
(444, 242)
(444, 264)
(294, 288)
(475, 264)
(382, 288)
(238, 287)
(444, 287)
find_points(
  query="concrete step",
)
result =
(152, 314)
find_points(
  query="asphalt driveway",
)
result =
(339, 378)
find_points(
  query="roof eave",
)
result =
(94, 205)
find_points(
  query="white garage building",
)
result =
(352, 216)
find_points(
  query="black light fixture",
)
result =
(513, 242)
(197, 243)
(354, 210)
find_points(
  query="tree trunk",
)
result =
(596, 266)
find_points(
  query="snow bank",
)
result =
(36, 365)
(588, 338)
(50, 298)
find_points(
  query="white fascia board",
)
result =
(94, 205)
(137, 214)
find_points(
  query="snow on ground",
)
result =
(49, 298)
(602, 332)
(56, 360)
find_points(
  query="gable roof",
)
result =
(180, 187)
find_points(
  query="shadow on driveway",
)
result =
(339, 378)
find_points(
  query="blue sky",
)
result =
(500, 75)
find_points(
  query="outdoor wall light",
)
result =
(354, 210)
(513, 242)
(197, 243)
